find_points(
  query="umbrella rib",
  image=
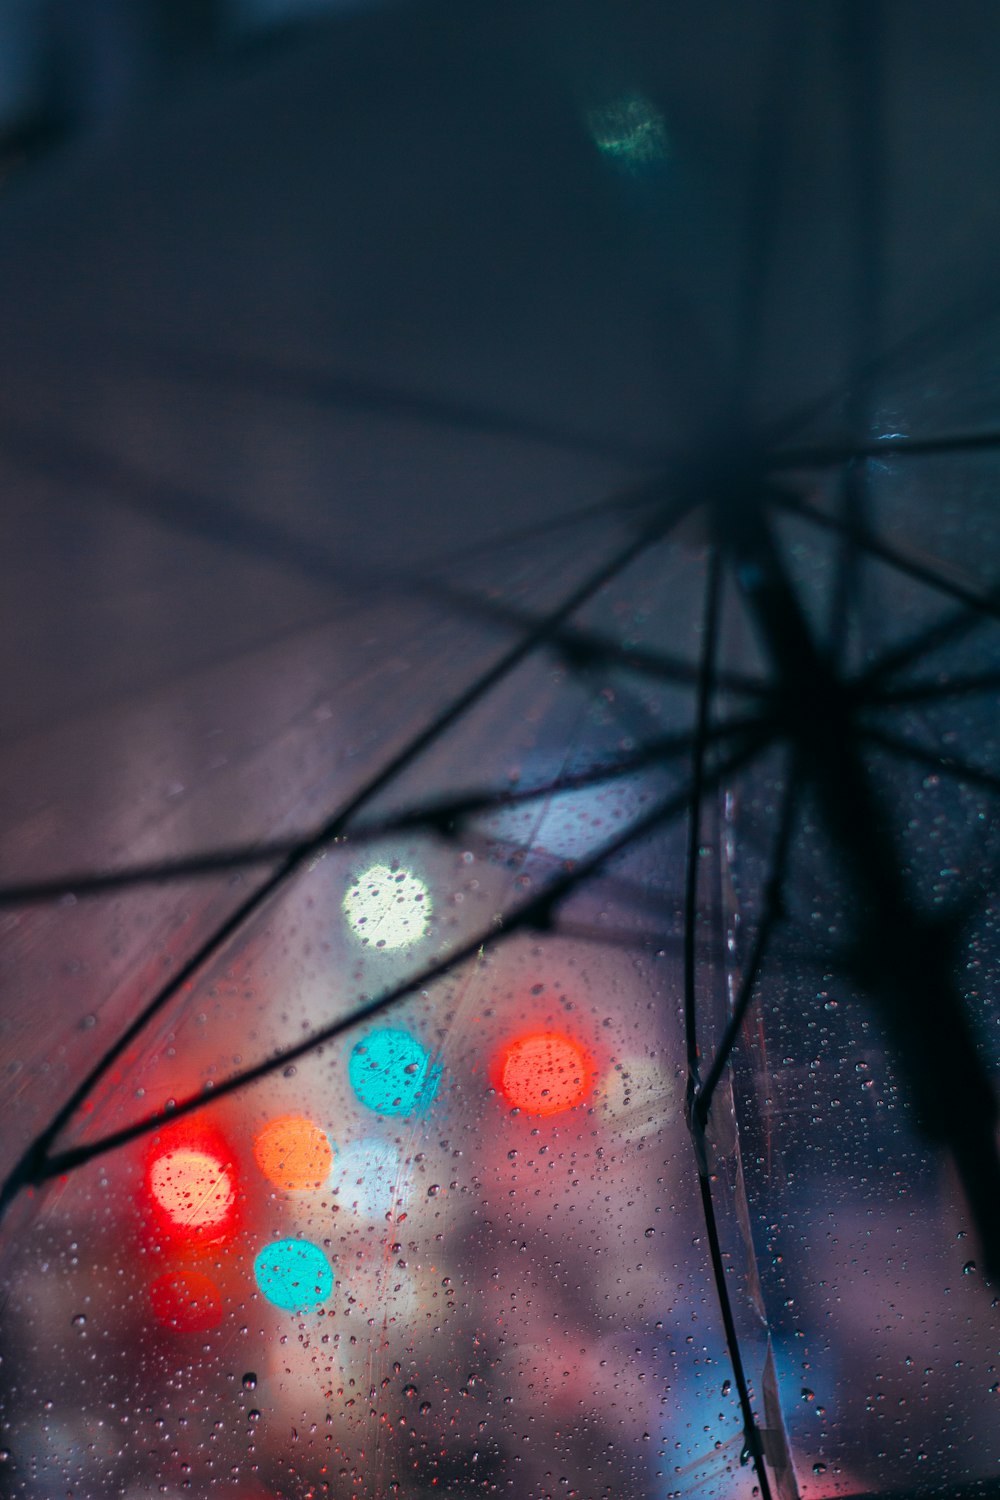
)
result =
(846, 582)
(957, 769)
(38, 1165)
(645, 942)
(113, 698)
(590, 647)
(966, 313)
(433, 817)
(751, 1432)
(466, 699)
(829, 456)
(597, 510)
(204, 516)
(327, 390)
(699, 788)
(921, 692)
(177, 507)
(200, 514)
(699, 755)
(944, 632)
(986, 604)
(632, 892)
(908, 957)
(773, 912)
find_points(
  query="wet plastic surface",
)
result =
(271, 597)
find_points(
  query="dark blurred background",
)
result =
(70, 69)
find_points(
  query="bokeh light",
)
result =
(294, 1153)
(543, 1073)
(366, 1178)
(630, 130)
(191, 1181)
(293, 1274)
(388, 908)
(186, 1301)
(391, 1073)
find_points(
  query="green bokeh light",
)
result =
(630, 130)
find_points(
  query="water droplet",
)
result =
(819, 1468)
(290, 1071)
(969, 1269)
(253, 1415)
(79, 1319)
(250, 1380)
(650, 1233)
(409, 1390)
(727, 1386)
(807, 1394)
(433, 1190)
(425, 1407)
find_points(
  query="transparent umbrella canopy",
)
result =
(500, 758)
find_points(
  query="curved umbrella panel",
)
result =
(502, 353)
(534, 1051)
(863, 1238)
(236, 763)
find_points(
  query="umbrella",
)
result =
(500, 748)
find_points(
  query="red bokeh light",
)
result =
(543, 1073)
(191, 1185)
(186, 1301)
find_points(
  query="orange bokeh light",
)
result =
(191, 1181)
(543, 1073)
(294, 1153)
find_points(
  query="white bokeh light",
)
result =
(388, 907)
(365, 1178)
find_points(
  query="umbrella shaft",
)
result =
(905, 955)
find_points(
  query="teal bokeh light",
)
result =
(630, 131)
(293, 1274)
(391, 1073)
